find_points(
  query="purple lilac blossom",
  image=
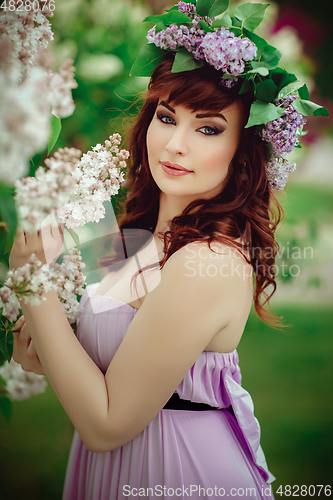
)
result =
(226, 52)
(282, 132)
(220, 48)
(282, 135)
(187, 8)
(229, 82)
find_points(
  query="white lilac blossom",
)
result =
(9, 303)
(24, 35)
(74, 188)
(33, 280)
(278, 170)
(61, 85)
(281, 134)
(28, 90)
(19, 383)
(100, 175)
(24, 122)
(30, 282)
(49, 190)
(69, 283)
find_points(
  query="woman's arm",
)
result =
(173, 326)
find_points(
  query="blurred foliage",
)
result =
(320, 48)
(103, 38)
(305, 235)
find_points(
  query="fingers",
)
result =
(20, 237)
(24, 352)
(19, 323)
(52, 239)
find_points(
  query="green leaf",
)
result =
(160, 27)
(266, 90)
(235, 22)
(2, 359)
(321, 112)
(203, 7)
(6, 342)
(282, 78)
(171, 17)
(251, 14)
(306, 108)
(6, 408)
(223, 21)
(260, 42)
(175, 7)
(218, 7)
(55, 131)
(248, 84)
(261, 70)
(8, 214)
(270, 56)
(211, 8)
(204, 26)
(304, 92)
(184, 61)
(74, 236)
(148, 58)
(263, 112)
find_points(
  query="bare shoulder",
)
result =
(203, 261)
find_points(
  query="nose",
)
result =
(177, 144)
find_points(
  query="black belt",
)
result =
(175, 403)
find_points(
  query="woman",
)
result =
(152, 382)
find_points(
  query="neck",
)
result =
(170, 207)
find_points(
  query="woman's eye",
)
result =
(166, 119)
(209, 131)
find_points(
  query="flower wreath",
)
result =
(203, 32)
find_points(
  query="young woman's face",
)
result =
(189, 152)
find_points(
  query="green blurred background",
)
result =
(288, 372)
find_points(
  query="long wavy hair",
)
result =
(246, 209)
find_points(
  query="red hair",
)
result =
(246, 208)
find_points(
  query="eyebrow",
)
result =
(212, 114)
(166, 105)
(199, 115)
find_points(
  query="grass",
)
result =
(288, 373)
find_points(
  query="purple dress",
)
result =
(180, 454)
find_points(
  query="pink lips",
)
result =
(174, 168)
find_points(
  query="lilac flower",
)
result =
(100, 175)
(282, 132)
(33, 280)
(282, 136)
(19, 383)
(223, 50)
(61, 86)
(187, 8)
(174, 37)
(229, 82)
(69, 282)
(39, 196)
(278, 170)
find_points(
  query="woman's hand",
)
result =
(24, 350)
(46, 244)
